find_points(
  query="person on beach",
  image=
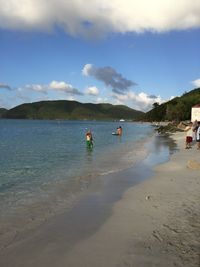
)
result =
(189, 133)
(89, 139)
(198, 136)
(194, 129)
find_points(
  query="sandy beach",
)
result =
(156, 222)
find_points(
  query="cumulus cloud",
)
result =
(36, 87)
(5, 86)
(95, 17)
(140, 101)
(64, 87)
(109, 77)
(87, 69)
(93, 90)
(53, 86)
(196, 83)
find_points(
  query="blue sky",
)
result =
(125, 52)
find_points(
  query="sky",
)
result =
(126, 52)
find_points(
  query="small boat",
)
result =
(115, 133)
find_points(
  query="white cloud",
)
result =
(87, 69)
(55, 86)
(36, 87)
(99, 16)
(140, 101)
(93, 90)
(196, 83)
(64, 87)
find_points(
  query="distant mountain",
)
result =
(177, 109)
(72, 110)
(2, 111)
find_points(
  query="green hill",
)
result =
(2, 111)
(177, 109)
(64, 109)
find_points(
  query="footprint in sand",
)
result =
(193, 164)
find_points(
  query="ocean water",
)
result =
(45, 165)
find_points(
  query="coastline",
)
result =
(154, 223)
(52, 176)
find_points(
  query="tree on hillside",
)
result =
(176, 112)
(155, 105)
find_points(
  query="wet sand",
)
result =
(125, 220)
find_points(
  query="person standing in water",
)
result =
(119, 130)
(89, 139)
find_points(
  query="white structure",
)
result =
(195, 113)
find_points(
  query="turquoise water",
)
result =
(47, 163)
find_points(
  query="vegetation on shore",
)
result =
(177, 109)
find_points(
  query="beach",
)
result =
(154, 222)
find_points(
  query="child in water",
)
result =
(89, 139)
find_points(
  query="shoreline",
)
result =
(156, 223)
(149, 225)
(69, 193)
(25, 209)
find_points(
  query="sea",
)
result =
(45, 165)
